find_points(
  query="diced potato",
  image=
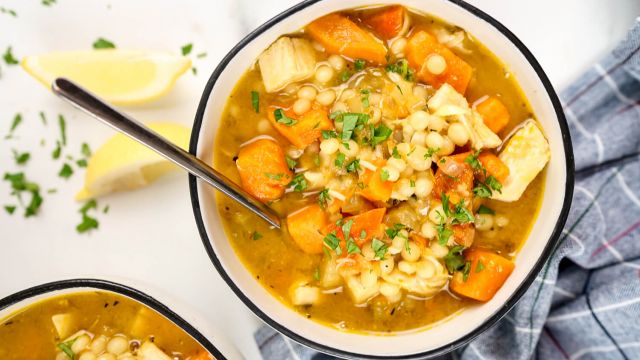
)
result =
(448, 102)
(303, 294)
(329, 276)
(416, 284)
(149, 351)
(359, 291)
(526, 154)
(142, 323)
(286, 61)
(64, 324)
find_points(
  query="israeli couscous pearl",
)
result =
(389, 290)
(417, 159)
(398, 45)
(307, 92)
(301, 106)
(106, 356)
(316, 179)
(447, 146)
(324, 74)
(326, 97)
(347, 94)
(484, 222)
(438, 250)
(392, 173)
(420, 92)
(329, 146)
(406, 267)
(419, 120)
(428, 230)
(337, 62)
(117, 345)
(264, 126)
(419, 138)
(413, 254)
(436, 213)
(458, 134)
(436, 64)
(398, 164)
(501, 220)
(423, 187)
(98, 344)
(81, 343)
(425, 269)
(387, 265)
(351, 149)
(87, 355)
(434, 140)
(368, 278)
(436, 123)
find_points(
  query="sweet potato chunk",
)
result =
(305, 227)
(386, 23)
(487, 274)
(307, 127)
(263, 169)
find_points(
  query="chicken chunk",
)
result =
(286, 61)
(526, 154)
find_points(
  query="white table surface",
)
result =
(150, 235)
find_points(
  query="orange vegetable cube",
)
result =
(487, 274)
(263, 169)
(370, 222)
(494, 165)
(339, 35)
(305, 227)
(494, 114)
(375, 188)
(386, 23)
(307, 127)
(420, 46)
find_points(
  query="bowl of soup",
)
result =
(420, 160)
(87, 319)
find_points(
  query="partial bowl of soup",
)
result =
(418, 156)
(86, 319)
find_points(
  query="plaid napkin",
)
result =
(585, 303)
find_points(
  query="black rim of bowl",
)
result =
(515, 297)
(120, 289)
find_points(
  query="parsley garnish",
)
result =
(401, 67)
(479, 266)
(85, 150)
(103, 43)
(66, 171)
(66, 346)
(430, 152)
(412, 183)
(48, 2)
(10, 209)
(332, 241)
(364, 98)
(55, 154)
(186, 49)
(345, 75)
(17, 120)
(329, 134)
(201, 55)
(380, 134)
(455, 261)
(276, 177)
(88, 222)
(461, 215)
(349, 122)
(255, 101)
(316, 274)
(316, 160)
(20, 184)
(8, 11)
(353, 166)
(394, 153)
(493, 183)
(472, 159)
(392, 232)
(21, 158)
(485, 210)
(291, 164)
(384, 175)
(256, 235)
(359, 64)
(379, 248)
(482, 191)
(81, 163)
(281, 118)
(63, 130)
(9, 59)
(339, 159)
(299, 183)
(324, 197)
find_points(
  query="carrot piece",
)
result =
(307, 128)
(494, 114)
(305, 227)
(387, 22)
(494, 165)
(370, 222)
(263, 169)
(339, 35)
(375, 188)
(487, 274)
(420, 46)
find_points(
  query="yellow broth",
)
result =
(274, 259)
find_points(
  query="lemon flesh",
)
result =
(122, 164)
(122, 77)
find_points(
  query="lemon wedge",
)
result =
(122, 77)
(123, 164)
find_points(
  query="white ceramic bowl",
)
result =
(199, 332)
(458, 329)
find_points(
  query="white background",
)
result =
(149, 236)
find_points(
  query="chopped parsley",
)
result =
(339, 161)
(332, 241)
(430, 152)
(353, 166)
(345, 75)
(276, 177)
(281, 118)
(8, 57)
(103, 43)
(359, 64)
(291, 163)
(493, 183)
(43, 118)
(10, 209)
(364, 98)
(461, 215)
(88, 222)
(17, 120)
(324, 197)
(384, 175)
(19, 185)
(485, 210)
(81, 163)
(316, 274)
(401, 67)
(316, 160)
(363, 234)
(455, 261)
(201, 55)
(48, 2)
(394, 231)
(55, 154)
(444, 233)
(379, 248)
(472, 159)
(380, 134)
(66, 171)
(299, 183)
(412, 183)
(349, 123)
(394, 153)
(256, 235)
(329, 134)
(85, 150)
(21, 158)
(63, 130)
(479, 266)
(66, 346)
(255, 101)
(8, 11)
(186, 49)
(481, 190)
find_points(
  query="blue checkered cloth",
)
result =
(585, 303)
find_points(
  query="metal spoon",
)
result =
(84, 100)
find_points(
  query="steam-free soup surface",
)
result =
(94, 325)
(394, 144)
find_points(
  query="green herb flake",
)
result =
(332, 241)
(380, 134)
(281, 118)
(339, 160)
(482, 191)
(10, 209)
(363, 234)
(276, 177)
(379, 248)
(479, 266)
(291, 163)
(19, 184)
(85, 150)
(349, 123)
(493, 183)
(66, 346)
(444, 233)
(17, 120)
(359, 64)
(105, 210)
(430, 152)
(8, 57)
(454, 260)
(316, 274)
(352, 247)
(394, 231)
(345, 76)
(81, 163)
(412, 183)
(472, 159)
(485, 210)
(201, 55)
(21, 158)
(88, 222)
(63, 130)
(384, 175)
(364, 98)
(66, 171)
(48, 2)
(395, 153)
(194, 70)
(256, 235)
(55, 154)
(103, 43)
(324, 197)
(43, 118)
(353, 166)
(8, 11)
(255, 101)
(329, 134)
(299, 183)
(316, 160)
(186, 49)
